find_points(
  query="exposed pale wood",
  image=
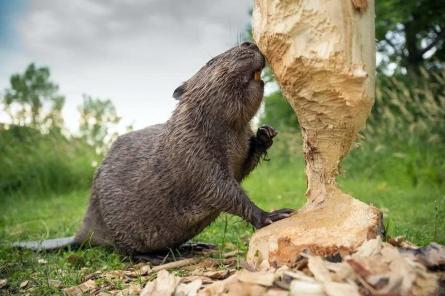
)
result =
(323, 56)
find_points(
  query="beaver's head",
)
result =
(229, 86)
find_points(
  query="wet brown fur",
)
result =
(160, 186)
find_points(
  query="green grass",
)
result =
(416, 211)
(34, 162)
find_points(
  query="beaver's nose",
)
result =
(250, 45)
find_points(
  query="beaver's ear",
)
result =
(179, 91)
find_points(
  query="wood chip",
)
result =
(260, 278)
(358, 268)
(298, 275)
(84, 288)
(432, 256)
(298, 288)
(190, 289)
(244, 289)
(378, 268)
(276, 292)
(401, 242)
(218, 288)
(164, 284)
(369, 248)
(319, 270)
(264, 266)
(341, 289)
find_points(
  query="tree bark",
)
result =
(323, 56)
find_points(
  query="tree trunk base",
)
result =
(340, 224)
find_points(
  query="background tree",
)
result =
(97, 118)
(29, 95)
(410, 34)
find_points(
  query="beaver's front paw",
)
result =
(265, 218)
(265, 135)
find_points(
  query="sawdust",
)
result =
(376, 268)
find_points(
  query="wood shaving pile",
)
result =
(377, 268)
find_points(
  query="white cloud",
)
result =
(133, 52)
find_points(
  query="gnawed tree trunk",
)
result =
(323, 56)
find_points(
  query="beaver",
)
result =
(160, 186)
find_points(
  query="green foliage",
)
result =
(278, 113)
(410, 109)
(38, 154)
(405, 137)
(97, 117)
(34, 162)
(407, 30)
(27, 96)
(417, 212)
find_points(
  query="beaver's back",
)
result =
(109, 218)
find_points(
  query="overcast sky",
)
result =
(135, 52)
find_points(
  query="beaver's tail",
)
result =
(48, 245)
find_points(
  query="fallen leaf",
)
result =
(24, 284)
(208, 263)
(81, 289)
(218, 274)
(205, 280)
(198, 271)
(146, 269)
(55, 283)
(131, 290)
(3, 283)
(114, 275)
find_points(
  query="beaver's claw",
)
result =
(269, 217)
(264, 136)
